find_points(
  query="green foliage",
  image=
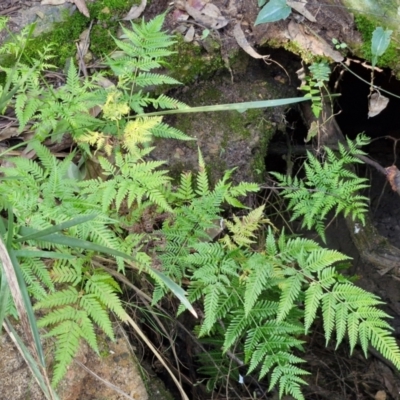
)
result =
(379, 43)
(274, 10)
(258, 297)
(72, 291)
(327, 185)
(131, 179)
(87, 299)
(313, 84)
(264, 298)
(339, 45)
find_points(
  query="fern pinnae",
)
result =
(257, 281)
(290, 292)
(99, 284)
(352, 329)
(92, 306)
(312, 301)
(329, 314)
(212, 299)
(386, 344)
(68, 334)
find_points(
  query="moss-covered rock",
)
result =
(62, 27)
(227, 139)
(191, 60)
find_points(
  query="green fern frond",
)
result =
(260, 271)
(95, 310)
(329, 185)
(144, 79)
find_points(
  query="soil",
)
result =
(10, 7)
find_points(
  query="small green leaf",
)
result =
(205, 34)
(379, 44)
(275, 10)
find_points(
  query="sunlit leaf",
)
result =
(379, 44)
(275, 10)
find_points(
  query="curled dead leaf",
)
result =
(81, 6)
(243, 43)
(376, 104)
(393, 176)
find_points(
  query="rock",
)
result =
(44, 16)
(227, 139)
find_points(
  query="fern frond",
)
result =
(144, 79)
(68, 334)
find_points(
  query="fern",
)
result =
(257, 300)
(79, 310)
(327, 186)
(131, 181)
(265, 298)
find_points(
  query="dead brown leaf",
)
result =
(189, 35)
(135, 11)
(380, 395)
(52, 2)
(83, 44)
(243, 43)
(81, 6)
(300, 7)
(376, 104)
(203, 17)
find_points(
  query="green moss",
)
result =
(366, 26)
(191, 61)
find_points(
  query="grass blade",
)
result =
(229, 107)
(43, 254)
(57, 228)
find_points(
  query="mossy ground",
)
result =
(106, 15)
